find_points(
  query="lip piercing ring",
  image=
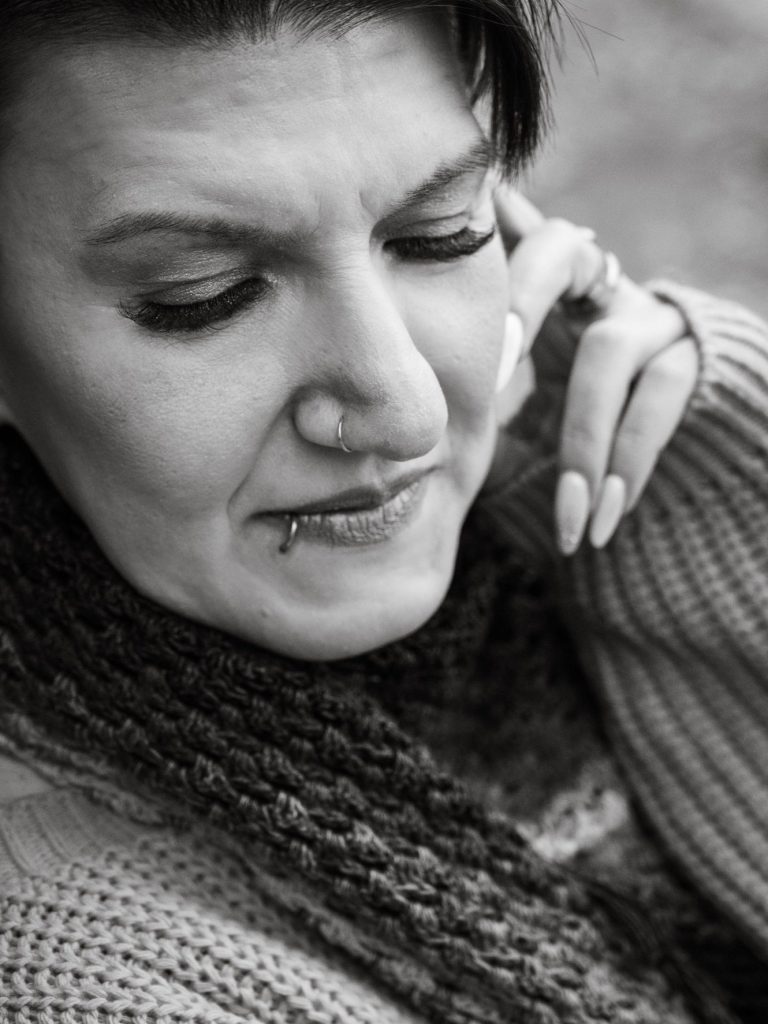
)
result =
(340, 436)
(293, 529)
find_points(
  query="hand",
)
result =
(632, 376)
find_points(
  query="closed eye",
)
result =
(171, 318)
(165, 318)
(440, 248)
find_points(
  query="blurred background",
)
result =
(661, 144)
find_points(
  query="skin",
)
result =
(170, 445)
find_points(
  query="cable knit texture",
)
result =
(672, 620)
(303, 847)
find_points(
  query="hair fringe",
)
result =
(505, 45)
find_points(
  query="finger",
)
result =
(516, 216)
(554, 260)
(607, 360)
(611, 354)
(653, 414)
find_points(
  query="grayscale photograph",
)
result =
(383, 512)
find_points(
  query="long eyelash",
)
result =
(443, 248)
(160, 318)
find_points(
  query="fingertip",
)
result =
(517, 215)
(512, 350)
(611, 506)
(572, 504)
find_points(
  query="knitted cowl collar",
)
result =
(311, 765)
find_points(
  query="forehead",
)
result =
(371, 111)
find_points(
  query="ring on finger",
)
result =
(600, 292)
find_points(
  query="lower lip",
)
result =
(363, 526)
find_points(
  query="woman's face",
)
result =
(209, 257)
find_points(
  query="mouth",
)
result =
(359, 516)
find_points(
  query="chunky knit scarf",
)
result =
(316, 767)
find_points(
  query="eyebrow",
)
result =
(479, 157)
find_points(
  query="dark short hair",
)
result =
(503, 44)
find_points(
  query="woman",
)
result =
(254, 305)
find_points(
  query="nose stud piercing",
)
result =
(340, 436)
(290, 537)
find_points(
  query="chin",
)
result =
(326, 603)
(352, 602)
(345, 629)
(321, 602)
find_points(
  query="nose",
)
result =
(367, 368)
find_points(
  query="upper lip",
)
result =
(355, 499)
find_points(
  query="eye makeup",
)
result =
(165, 317)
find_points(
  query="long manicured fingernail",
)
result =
(571, 510)
(510, 350)
(610, 509)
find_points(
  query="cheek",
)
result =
(458, 324)
(182, 431)
(146, 421)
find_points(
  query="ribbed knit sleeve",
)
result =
(671, 619)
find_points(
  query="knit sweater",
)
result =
(672, 621)
(137, 913)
